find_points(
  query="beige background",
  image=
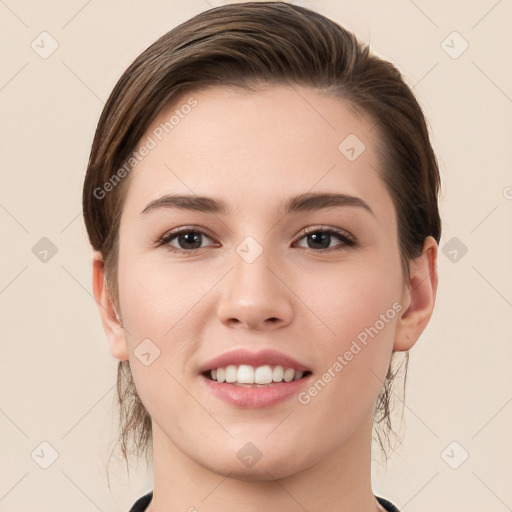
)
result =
(57, 375)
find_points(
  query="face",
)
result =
(322, 285)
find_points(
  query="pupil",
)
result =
(188, 238)
(317, 236)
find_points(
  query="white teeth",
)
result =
(231, 373)
(277, 374)
(289, 374)
(263, 375)
(246, 374)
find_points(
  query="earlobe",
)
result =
(112, 324)
(419, 296)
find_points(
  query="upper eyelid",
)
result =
(312, 229)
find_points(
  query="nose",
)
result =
(255, 295)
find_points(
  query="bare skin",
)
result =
(254, 151)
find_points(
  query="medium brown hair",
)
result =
(243, 46)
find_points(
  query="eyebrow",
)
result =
(309, 201)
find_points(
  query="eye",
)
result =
(321, 238)
(188, 239)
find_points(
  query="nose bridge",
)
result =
(252, 266)
(254, 294)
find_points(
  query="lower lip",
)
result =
(255, 397)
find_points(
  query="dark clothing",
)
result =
(142, 503)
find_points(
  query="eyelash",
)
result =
(342, 235)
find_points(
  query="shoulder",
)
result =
(142, 503)
(387, 504)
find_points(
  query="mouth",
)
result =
(246, 379)
(247, 376)
(258, 389)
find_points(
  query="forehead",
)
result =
(251, 148)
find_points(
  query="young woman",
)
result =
(261, 198)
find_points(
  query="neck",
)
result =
(339, 481)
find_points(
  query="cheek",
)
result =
(156, 299)
(352, 298)
(359, 310)
(158, 304)
(163, 315)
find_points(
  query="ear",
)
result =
(111, 322)
(418, 297)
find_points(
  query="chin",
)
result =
(258, 473)
(248, 463)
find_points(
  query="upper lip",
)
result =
(260, 358)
